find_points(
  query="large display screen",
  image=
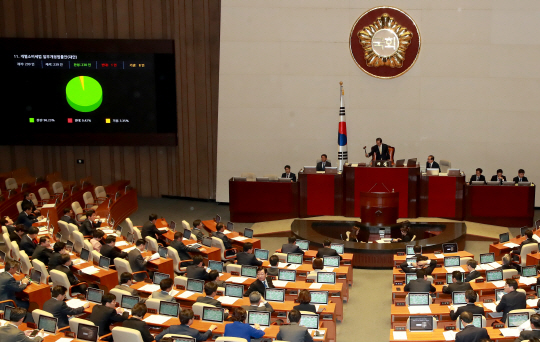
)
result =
(81, 91)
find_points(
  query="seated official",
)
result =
(273, 270)
(136, 260)
(499, 176)
(529, 240)
(520, 177)
(106, 314)
(420, 284)
(473, 273)
(97, 239)
(136, 322)
(186, 319)
(197, 270)
(9, 286)
(512, 300)
(470, 333)
(150, 229)
(294, 332)
(29, 241)
(318, 265)
(25, 217)
(197, 229)
(43, 251)
(56, 257)
(471, 297)
(478, 177)
(431, 163)
(247, 257)
(289, 174)
(220, 228)
(17, 234)
(291, 247)
(183, 250)
(406, 234)
(166, 286)
(89, 226)
(324, 163)
(28, 200)
(531, 334)
(109, 250)
(240, 329)
(126, 280)
(261, 284)
(73, 280)
(8, 223)
(507, 263)
(210, 290)
(10, 332)
(255, 300)
(304, 298)
(380, 150)
(213, 275)
(326, 250)
(422, 262)
(457, 284)
(69, 217)
(59, 309)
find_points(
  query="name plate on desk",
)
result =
(400, 303)
(439, 282)
(397, 283)
(400, 328)
(400, 253)
(480, 280)
(381, 163)
(446, 302)
(449, 327)
(488, 300)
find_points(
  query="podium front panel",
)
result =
(321, 194)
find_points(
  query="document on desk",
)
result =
(121, 243)
(174, 292)
(328, 269)
(127, 250)
(157, 319)
(90, 270)
(240, 238)
(64, 339)
(498, 283)
(238, 280)
(281, 264)
(280, 283)
(226, 231)
(532, 302)
(75, 303)
(163, 229)
(51, 205)
(154, 256)
(78, 261)
(509, 332)
(314, 285)
(186, 294)
(449, 335)
(491, 306)
(421, 309)
(439, 256)
(149, 288)
(527, 280)
(494, 264)
(511, 245)
(485, 267)
(293, 266)
(400, 335)
(455, 268)
(227, 300)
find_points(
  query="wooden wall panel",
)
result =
(187, 170)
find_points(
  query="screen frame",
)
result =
(327, 297)
(321, 273)
(48, 318)
(191, 280)
(267, 313)
(419, 293)
(205, 308)
(274, 290)
(313, 315)
(286, 270)
(165, 303)
(492, 271)
(93, 327)
(94, 289)
(492, 254)
(246, 267)
(159, 273)
(128, 296)
(237, 286)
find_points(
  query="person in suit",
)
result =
(106, 314)
(197, 229)
(512, 300)
(406, 234)
(28, 200)
(136, 322)
(136, 260)
(213, 275)
(294, 332)
(473, 273)
(420, 284)
(220, 227)
(9, 286)
(529, 234)
(431, 163)
(109, 250)
(17, 234)
(8, 223)
(64, 267)
(68, 217)
(406, 266)
(520, 177)
(478, 177)
(470, 296)
(380, 150)
(422, 262)
(97, 239)
(261, 284)
(186, 319)
(507, 263)
(240, 329)
(498, 177)
(317, 265)
(56, 257)
(304, 298)
(166, 286)
(273, 270)
(43, 251)
(457, 284)
(10, 332)
(255, 300)
(247, 257)
(289, 174)
(126, 280)
(326, 250)
(150, 229)
(530, 334)
(26, 217)
(59, 308)
(197, 270)
(291, 247)
(183, 249)
(88, 227)
(470, 333)
(210, 289)
(29, 241)
(324, 163)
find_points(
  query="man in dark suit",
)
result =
(68, 217)
(530, 334)
(528, 240)
(43, 251)
(512, 300)
(470, 333)
(255, 300)
(288, 173)
(422, 262)
(9, 286)
(59, 308)
(10, 332)
(478, 177)
(470, 296)
(89, 225)
(499, 176)
(150, 229)
(323, 164)
(64, 267)
(26, 217)
(126, 280)
(291, 247)
(431, 163)
(457, 284)
(197, 229)
(56, 257)
(294, 332)
(473, 273)
(326, 250)
(106, 314)
(17, 234)
(247, 257)
(29, 242)
(28, 200)
(380, 150)
(110, 251)
(420, 284)
(520, 177)
(210, 290)
(136, 260)
(136, 322)
(186, 319)
(220, 227)
(183, 249)
(8, 223)
(261, 284)
(197, 270)
(273, 270)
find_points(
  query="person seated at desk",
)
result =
(213, 275)
(291, 247)
(261, 284)
(507, 263)
(240, 329)
(197, 229)
(68, 217)
(422, 262)
(136, 322)
(43, 251)
(186, 319)
(220, 228)
(324, 163)
(304, 298)
(109, 250)
(88, 227)
(28, 200)
(17, 234)
(420, 284)
(520, 177)
(294, 332)
(106, 314)
(255, 300)
(197, 270)
(183, 250)
(96, 240)
(56, 257)
(8, 223)
(473, 273)
(471, 297)
(478, 177)
(10, 332)
(29, 241)
(289, 174)
(126, 280)
(166, 286)
(136, 260)
(59, 309)
(26, 217)
(457, 284)
(470, 333)
(150, 229)
(499, 176)
(273, 270)
(529, 234)
(9, 286)
(318, 266)
(326, 250)
(380, 150)
(64, 267)
(431, 163)
(210, 290)
(512, 300)
(534, 333)
(406, 234)
(247, 257)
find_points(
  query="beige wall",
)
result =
(472, 97)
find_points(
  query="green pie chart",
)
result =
(84, 94)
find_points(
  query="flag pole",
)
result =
(343, 155)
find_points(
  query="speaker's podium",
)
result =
(379, 208)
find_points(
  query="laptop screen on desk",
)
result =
(207, 241)
(35, 275)
(261, 254)
(477, 322)
(195, 285)
(129, 301)
(261, 318)
(504, 237)
(318, 297)
(293, 258)
(418, 299)
(338, 247)
(211, 314)
(409, 277)
(452, 261)
(410, 250)
(230, 226)
(187, 234)
(169, 308)
(494, 275)
(233, 290)
(528, 271)
(215, 265)
(94, 295)
(326, 277)
(450, 247)
(48, 324)
(287, 275)
(499, 293)
(163, 252)
(309, 321)
(104, 262)
(458, 297)
(303, 244)
(331, 261)
(158, 277)
(85, 254)
(486, 258)
(248, 233)
(249, 271)
(275, 295)
(87, 332)
(421, 323)
(517, 319)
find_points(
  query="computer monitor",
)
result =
(287, 275)
(494, 275)
(409, 249)
(129, 238)
(338, 247)
(169, 308)
(310, 169)
(87, 332)
(94, 295)
(449, 278)
(158, 277)
(411, 162)
(421, 323)
(409, 277)
(69, 243)
(303, 244)
(275, 295)
(195, 285)
(294, 258)
(418, 298)
(104, 262)
(453, 172)
(310, 321)
(85, 254)
(528, 271)
(477, 322)
(215, 265)
(452, 261)
(207, 241)
(129, 301)
(331, 170)
(218, 218)
(432, 172)
(450, 247)
(400, 162)
(318, 297)
(230, 226)
(493, 183)
(523, 230)
(234, 290)
(486, 258)
(172, 225)
(458, 297)
(261, 318)
(524, 184)
(331, 261)
(211, 314)
(411, 260)
(508, 183)
(261, 254)
(478, 183)
(187, 234)
(248, 233)
(517, 319)
(326, 277)
(58, 237)
(504, 237)
(163, 252)
(249, 271)
(7, 312)
(35, 276)
(48, 324)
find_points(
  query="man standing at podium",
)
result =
(323, 164)
(431, 163)
(380, 150)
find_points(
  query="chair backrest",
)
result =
(78, 241)
(530, 311)
(282, 256)
(40, 266)
(33, 198)
(58, 188)
(153, 303)
(74, 323)
(8, 243)
(100, 191)
(44, 194)
(445, 165)
(60, 278)
(173, 254)
(15, 250)
(4, 230)
(95, 255)
(391, 151)
(250, 176)
(234, 268)
(37, 312)
(271, 177)
(527, 249)
(185, 224)
(64, 230)
(76, 206)
(88, 198)
(121, 266)
(126, 334)
(312, 276)
(19, 206)
(198, 308)
(508, 274)
(26, 265)
(72, 229)
(218, 243)
(152, 244)
(137, 233)
(11, 184)
(119, 293)
(130, 224)
(88, 245)
(230, 339)
(180, 280)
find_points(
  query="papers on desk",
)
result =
(279, 283)
(511, 245)
(154, 256)
(498, 283)
(281, 264)
(51, 205)
(485, 267)
(149, 288)
(455, 268)
(494, 264)
(383, 241)
(310, 331)
(439, 256)
(400, 335)
(163, 229)
(449, 335)
(329, 269)
(313, 285)
(75, 303)
(226, 231)
(121, 243)
(510, 332)
(456, 306)
(532, 302)
(293, 266)
(90, 270)
(127, 250)
(64, 339)
(240, 238)
(421, 309)
(239, 280)
(174, 292)
(108, 231)
(186, 294)
(43, 220)
(490, 306)
(157, 319)
(527, 280)
(227, 300)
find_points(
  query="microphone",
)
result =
(341, 236)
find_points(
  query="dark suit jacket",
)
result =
(419, 285)
(88, 227)
(150, 229)
(183, 249)
(15, 238)
(291, 248)
(112, 252)
(27, 245)
(196, 272)
(136, 261)
(320, 165)
(265, 307)
(10, 333)
(524, 179)
(409, 269)
(128, 289)
(226, 242)
(32, 205)
(184, 330)
(60, 310)
(494, 178)
(55, 260)
(434, 166)
(511, 301)
(471, 334)
(306, 307)
(103, 316)
(378, 156)
(472, 275)
(474, 309)
(272, 271)
(294, 333)
(137, 324)
(244, 258)
(208, 300)
(69, 219)
(528, 335)
(9, 286)
(291, 176)
(327, 251)
(25, 219)
(407, 237)
(71, 277)
(526, 242)
(458, 286)
(473, 178)
(43, 254)
(257, 285)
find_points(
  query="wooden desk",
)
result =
(210, 226)
(437, 335)
(105, 279)
(211, 253)
(122, 207)
(343, 273)
(499, 249)
(346, 258)
(37, 294)
(399, 259)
